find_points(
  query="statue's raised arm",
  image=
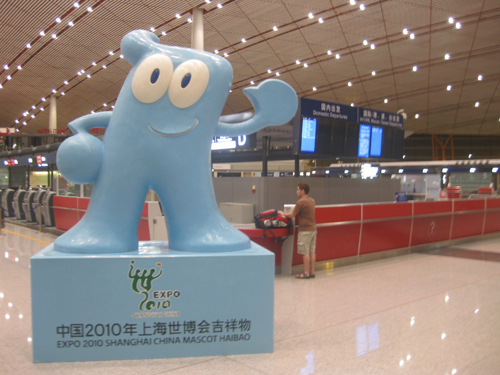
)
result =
(275, 103)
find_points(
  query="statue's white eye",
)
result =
(188, 84)
(151, 78)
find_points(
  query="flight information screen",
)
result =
(308, 137)
(376, 142)
(364, 141)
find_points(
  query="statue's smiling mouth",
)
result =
(173, 135)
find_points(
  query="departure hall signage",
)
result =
(330, 129)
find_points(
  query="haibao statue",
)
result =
(159, 137)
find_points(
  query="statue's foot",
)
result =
(218, 239)
(84, 240)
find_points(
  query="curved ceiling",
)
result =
(380, 54)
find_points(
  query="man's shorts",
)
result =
(306, 242)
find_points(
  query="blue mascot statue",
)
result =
(159, 137)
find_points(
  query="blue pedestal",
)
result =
(151, 303)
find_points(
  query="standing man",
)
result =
(306, 236)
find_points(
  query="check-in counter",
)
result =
(346, 231)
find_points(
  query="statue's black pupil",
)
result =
(186, 80)
(155, 75)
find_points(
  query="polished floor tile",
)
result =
(421, 313)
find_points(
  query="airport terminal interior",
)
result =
(397, 132)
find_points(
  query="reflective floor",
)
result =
(434, 312)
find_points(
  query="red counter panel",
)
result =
(338, 214)
(385, 235)
(431, 228)
(426, 208)
(468, 205)
(492, 223)
(467, 224)
(386, 210)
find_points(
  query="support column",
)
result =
(197, 30)
(265, 154)
(297, 165)
(53, 114)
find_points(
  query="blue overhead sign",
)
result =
(372, 117)
(316, 108)
(335, 111)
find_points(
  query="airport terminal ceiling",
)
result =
(436, 59)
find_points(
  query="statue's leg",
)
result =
(193, 219)
(112, 218)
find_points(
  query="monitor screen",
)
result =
(376, 143)
(308, 136)
(364, 141)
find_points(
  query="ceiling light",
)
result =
(353, 2)
(365, 42)
(320, 20)
(243, 40)
(415, 68)
(42, 109)
(88, 76)
(225, 54)
(219, 5)
(401, 171)
(62, 93)
(6, 67)
(163, 33)
(207, 1)
(494, 170)
(34, 107)
(24, 122)
(275, 28)
(444, 170)
(337, 56)
(386, 101)
(305, 65)
(352, 104)
(54, 91)
(269, 71)
(58, 19)
(42, 33)
(480, 77)
(374, 72)
(104, 66)
(448, 87)
(79, 73)
(28, 45)
(447, 56)
(297, 62)
(405, 31)
(470, 155)
(451, 20)
(32, 116)
(477, 104)
(252, 82)
(65, 82)
(417, 115)
(92, 111)
(412, 36)
(152, 29)
(425, 170)
(17, 122)
(111, 53)
(329, 52)
(278, 74)
(216, 51)
(70, 23)
(104, 104)
(314, 89)
(349, 84)
(19, 67)
(89, 9)
(310, 15)
(372, 46)
(54, 36)
(9, 77)
(76, 5)
(458, 25)
(472, 170)
(190, 19)
(362, 7)
(178, 15)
